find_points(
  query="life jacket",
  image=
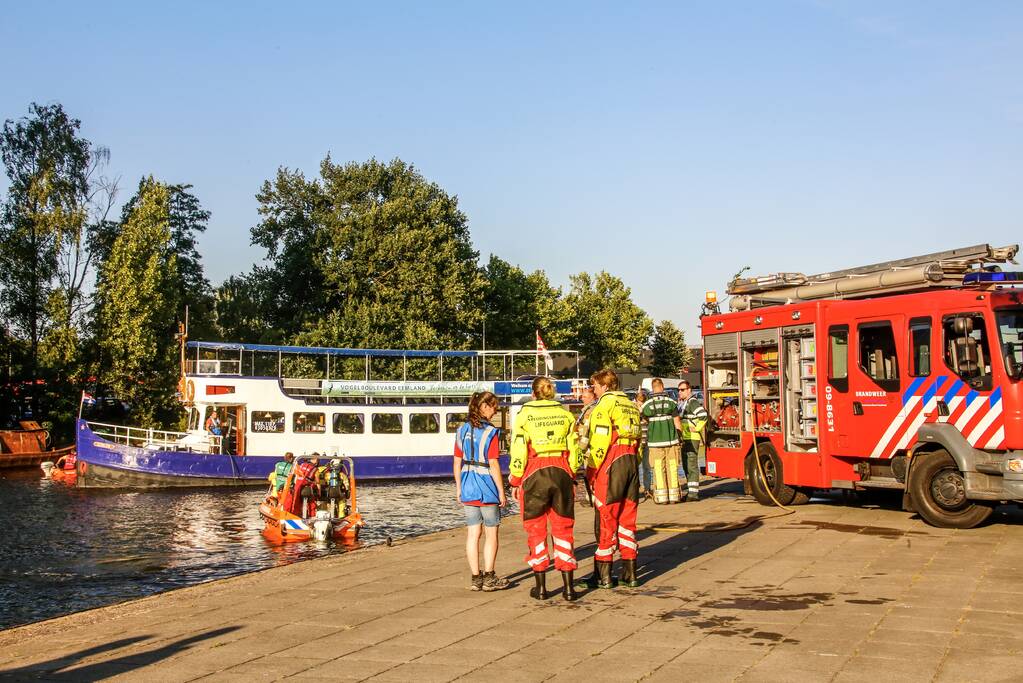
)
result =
(281, 471)
(476, 483)
(543, 428)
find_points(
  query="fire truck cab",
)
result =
(902, 375)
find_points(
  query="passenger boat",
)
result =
(394, 412)
(328, 514)
(28, 446)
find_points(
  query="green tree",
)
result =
(135, 299)
(244, 305)
(43, 218)
(609, 329)
(670, 353)
(517, 305)
(187, 219)
(370, 254)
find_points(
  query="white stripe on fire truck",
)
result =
(899, 420)
(915, 424)
(974, 402)
(997, 439)
(982, 426)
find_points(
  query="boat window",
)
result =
(919, 347)
(309, 423)
(386, 423)
(424, 423)
(349, 423)
(966, 349)
(454, 421)
(267, 422)
(838, 357)
(878, 358)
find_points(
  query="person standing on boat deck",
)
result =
(661, 412)
(544, 460)
(480, 489)
(213, 423)
(612, 471)
(281, 471)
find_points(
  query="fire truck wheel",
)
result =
(939, 493)
(770, 463)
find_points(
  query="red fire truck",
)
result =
(900, 375)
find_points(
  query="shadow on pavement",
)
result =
(54, 669)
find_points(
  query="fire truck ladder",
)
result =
(943, 269)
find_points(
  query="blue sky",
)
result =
(668, 143)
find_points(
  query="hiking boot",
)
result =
(628, 575)
(493, 582)
(539, 591)
(477, 582)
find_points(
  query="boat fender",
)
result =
(190, 391)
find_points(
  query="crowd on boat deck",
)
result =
(623, 450)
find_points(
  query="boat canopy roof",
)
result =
(323, 351)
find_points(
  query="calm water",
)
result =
(66, 550)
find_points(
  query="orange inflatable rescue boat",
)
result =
(63, 471)
(314, 503)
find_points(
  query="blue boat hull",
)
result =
(105, 464)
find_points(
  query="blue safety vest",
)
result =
(477, 484)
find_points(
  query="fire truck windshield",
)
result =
(1010, 332)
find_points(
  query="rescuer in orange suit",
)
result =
(613, 473)
(544, 460)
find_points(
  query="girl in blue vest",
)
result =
(480, 489)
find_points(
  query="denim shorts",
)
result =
(487, 515)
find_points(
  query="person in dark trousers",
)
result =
(694, 419)
(544, 460)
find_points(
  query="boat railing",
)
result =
(157, 439)
(213, 367)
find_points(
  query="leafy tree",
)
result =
(186, 219)
(135, 299)
(42, 219)
(370, 254)
(670, 353)
(517, 305)
(243, 304)
(610, 330)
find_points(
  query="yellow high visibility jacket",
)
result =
(694, 419)
(614, 420)
(543, 429)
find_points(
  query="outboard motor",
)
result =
(47, 467)
(322, 527)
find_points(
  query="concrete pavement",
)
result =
(732, 591)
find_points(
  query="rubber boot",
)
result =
(603, 571)
(539, 591)
(628, 575)
(569, 591)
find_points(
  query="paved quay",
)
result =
(732, 591)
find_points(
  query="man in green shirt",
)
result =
(661, 413)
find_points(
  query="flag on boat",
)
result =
(541, 349)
